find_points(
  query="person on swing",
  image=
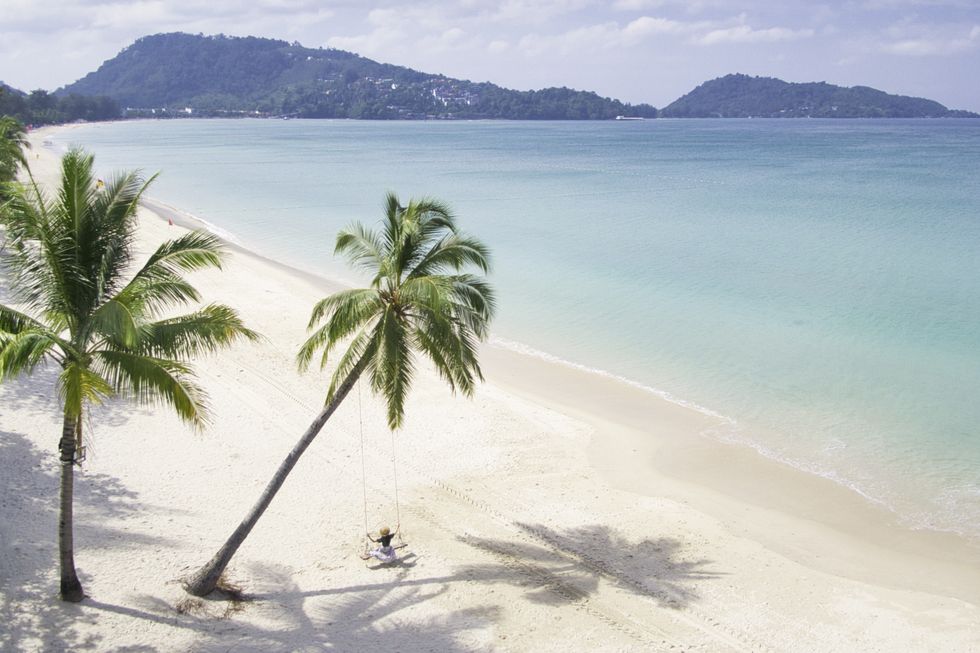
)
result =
(385, 552)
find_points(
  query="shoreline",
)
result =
(606, 462)
(817, 516)
(690, 457)
(682, 453)
(919, 506)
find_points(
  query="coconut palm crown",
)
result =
(107, 324)
(420, 300)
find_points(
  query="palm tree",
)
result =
(82, 307)
(13, 142)
(419, 300)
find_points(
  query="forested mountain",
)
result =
(195, 75)
(741, 96)
(222, 75)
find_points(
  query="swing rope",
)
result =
(394, 471)
(394, 481)
(360, 420)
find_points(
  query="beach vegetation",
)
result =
(42, 108)
(428, 296)
(109, 326)
(13, 143)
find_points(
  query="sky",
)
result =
(649, 51)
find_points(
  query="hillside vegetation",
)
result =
(741, 96)
(222, 75)
(179, 75)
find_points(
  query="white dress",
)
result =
(384, 554)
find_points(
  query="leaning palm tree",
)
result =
(419, 300)
(82, 305)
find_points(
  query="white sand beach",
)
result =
(556, 511)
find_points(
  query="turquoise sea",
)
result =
(816, 282)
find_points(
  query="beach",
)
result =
(556, 510)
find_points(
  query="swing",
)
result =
(385, 557)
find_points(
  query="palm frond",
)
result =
(37, 251)
(434, 217)
(148, 380)
(345, 312)
(116, 322)
(361, 246)
(361, 349)
(13, 142)
(195, 250)
(22, 352)
(75, 194)
(452, 254)
(79, 386)
(320, 338)
(155, 291)
(475, 303)
(394, 366)
(204, 331)
(451, 344)
(431, 338)
(393, 211)
(432, 292)
(13, 321)
(113, 210)
(159, 284)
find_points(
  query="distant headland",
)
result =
(184, 75)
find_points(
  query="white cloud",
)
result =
(922, 41)
(497, 46)
(534, 11)
(637, 5)
(645, 25)
(688, 6)
(137, 15)
(287, 5)
(382, 17)
(452, 35)
(920, 4)
(926, 47)
(372, 43)
(745, 34)
(393, 28)
(602, 36)
(452, 39)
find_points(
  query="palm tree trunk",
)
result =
(205, 579)
(71, 588)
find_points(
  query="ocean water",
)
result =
(816, 282)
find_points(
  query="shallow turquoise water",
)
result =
(816, 281)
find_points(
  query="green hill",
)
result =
(741, 96)
(222, 75)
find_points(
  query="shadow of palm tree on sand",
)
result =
(32, 616)
(568, 565)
